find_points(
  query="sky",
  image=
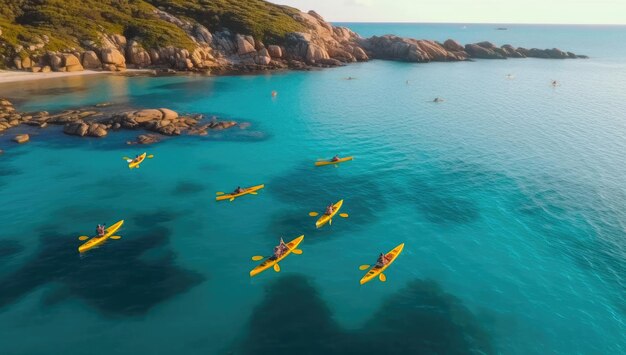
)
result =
(467, 11)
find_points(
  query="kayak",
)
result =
(95, 241)
(268, 263)
(132, 164)
(330, 162)
(375, 271)
(233, 196)
(326, 218)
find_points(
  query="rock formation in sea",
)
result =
(97, 123)
(168, 35)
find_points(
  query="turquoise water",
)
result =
(508, 195)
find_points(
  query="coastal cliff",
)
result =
(217, 37)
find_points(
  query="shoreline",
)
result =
(14, 76)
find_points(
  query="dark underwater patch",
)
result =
(574, 221)
(6, 170)
(10, 248)
(153, 218)
(419, 319)
(55, 91)
(188, 188)
(206, 85)
(113, 278)
(364, 199)
(440, 206)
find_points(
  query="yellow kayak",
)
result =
(95, 241)
(268, 263)
(330, 162)
(246, 191)
(135, 164)
(326, 218)
(376, 270)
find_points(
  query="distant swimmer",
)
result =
(438, 99)
(555, 83)
(274, 93)
(510, 76)
(349, 78)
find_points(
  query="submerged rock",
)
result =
(92, 123)
(21, 138)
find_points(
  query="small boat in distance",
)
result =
(501, 29)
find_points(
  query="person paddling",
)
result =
(100, 230)
(279, 250)
(329, 209)
(382, 260)
(238, 190)
(335, 158)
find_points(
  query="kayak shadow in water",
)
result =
(419, 319)
(114, 279)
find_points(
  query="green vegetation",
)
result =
(263, 20)
(68, 22)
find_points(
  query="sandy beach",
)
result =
(10, 76)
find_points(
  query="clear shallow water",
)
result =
(509, 197)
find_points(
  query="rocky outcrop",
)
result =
(91, 60)
(94, 123)
(453, 46)
(488, 50)
(112, 59)
(137, 56)
(146, 139)
(316, 44)
(405, 49)
(82, 129)
(21, 138)
(275, 51)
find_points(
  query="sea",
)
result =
(509, 197)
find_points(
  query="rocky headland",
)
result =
(199, 36)
(98, 121)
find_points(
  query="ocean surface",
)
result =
(509, 196)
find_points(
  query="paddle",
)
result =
(364, 267)
(150, 156)
(313, 214)
(220, 193)
(330, 222)
(343, 215)
(259, 257)
(382, 277)
(84, 237)
(276, 268)
(232, 199)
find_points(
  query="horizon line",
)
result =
(485, 23)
